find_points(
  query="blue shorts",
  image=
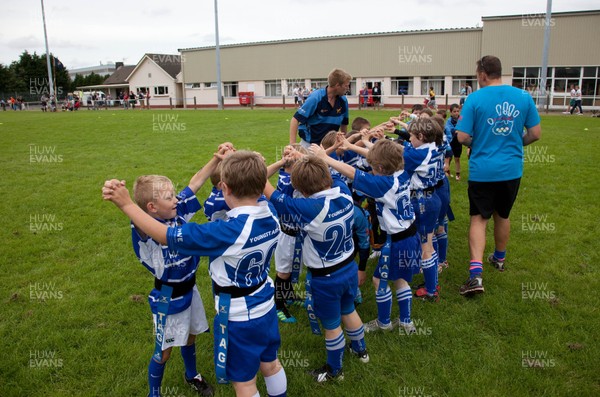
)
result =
(427, 209)
(405, 259)
(249, 343)
(443, 193)
(333, 295)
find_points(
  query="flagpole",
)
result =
(50, 79)
(218, 55)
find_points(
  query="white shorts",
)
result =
(284, 253)
(191, 321)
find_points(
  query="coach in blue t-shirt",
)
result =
(492, 123)
(325, 110)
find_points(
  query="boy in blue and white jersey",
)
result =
(288, 254)
(325, 216)
(442, 189)
(215, 206)
(421, 163)
(183, 318)
(239, 251)
(399, 261)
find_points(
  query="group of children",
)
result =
(315, 217)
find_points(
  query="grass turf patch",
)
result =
(76, 319)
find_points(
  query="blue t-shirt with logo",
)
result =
(494, 117)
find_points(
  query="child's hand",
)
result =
(288, 150)
(344, 144)
(115, 191)
(226, 145)
(317, 150)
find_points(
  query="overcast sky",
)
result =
(86, 33)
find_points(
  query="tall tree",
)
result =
(31, 76)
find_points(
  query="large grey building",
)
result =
(407, 63)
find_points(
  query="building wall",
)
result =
(518, 41)
(442, 54)
(149, 74)
(401, 54)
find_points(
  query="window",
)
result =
(459, 82)
(230, 89)
(291, 83)
(161, 90)
(273, 88)
(352, 88)
(529, 79)
(402, 85)
(210, 85)
(567, 72)
(318, 83)
(193, 85)
(436, 82)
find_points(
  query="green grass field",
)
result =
(75, 319)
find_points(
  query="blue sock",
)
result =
(404, 298)
(436, 259)
(188, 353)
(500, 255)
(335, 352)
(357, 338)
(155, 375)
(475, 269)
(430, 271)
(435, 242)
(384, 305)
(442, 250)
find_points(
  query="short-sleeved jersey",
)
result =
(392, 198)
(239, 250)
(215, 206)
(325, 220)
(494, 117)
(361, 227)
(317, 117)
(421, 164)
(440, 155)
(284, 183)
(166, 264)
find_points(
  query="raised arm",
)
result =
(205, 172)
(116, 192)
(343, 168)
(293, 130)
(272, 169)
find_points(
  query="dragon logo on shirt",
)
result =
(504, 122)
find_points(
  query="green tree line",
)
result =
(28, 78)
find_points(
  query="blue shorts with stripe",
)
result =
(334, 295)
(405, 259)
(249, 343)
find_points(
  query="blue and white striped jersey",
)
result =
(325, 220)
(284, 183)
(421, 164)
(215, 206)
(166, 264)
(392, 198)
(239, 250)
(440, 155)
